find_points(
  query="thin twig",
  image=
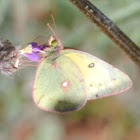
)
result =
(109, 28)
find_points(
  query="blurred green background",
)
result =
(111, 118)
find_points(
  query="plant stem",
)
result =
(109, 28)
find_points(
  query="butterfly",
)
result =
(67, 78)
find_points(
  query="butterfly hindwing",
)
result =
(59, 86)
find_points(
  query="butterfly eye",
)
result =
(91, 65)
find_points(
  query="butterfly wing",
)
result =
(59, 86)
(101, 78)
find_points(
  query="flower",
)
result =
(31, 51)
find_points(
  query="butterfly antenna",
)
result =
(53, 22)
(55, 35)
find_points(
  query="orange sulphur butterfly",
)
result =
(66, 78)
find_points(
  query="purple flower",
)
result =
(31, 51)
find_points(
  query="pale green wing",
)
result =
(59, 86)
(101, 78)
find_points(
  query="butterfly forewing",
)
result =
(101, 78)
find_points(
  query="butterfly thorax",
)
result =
(54, 49)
